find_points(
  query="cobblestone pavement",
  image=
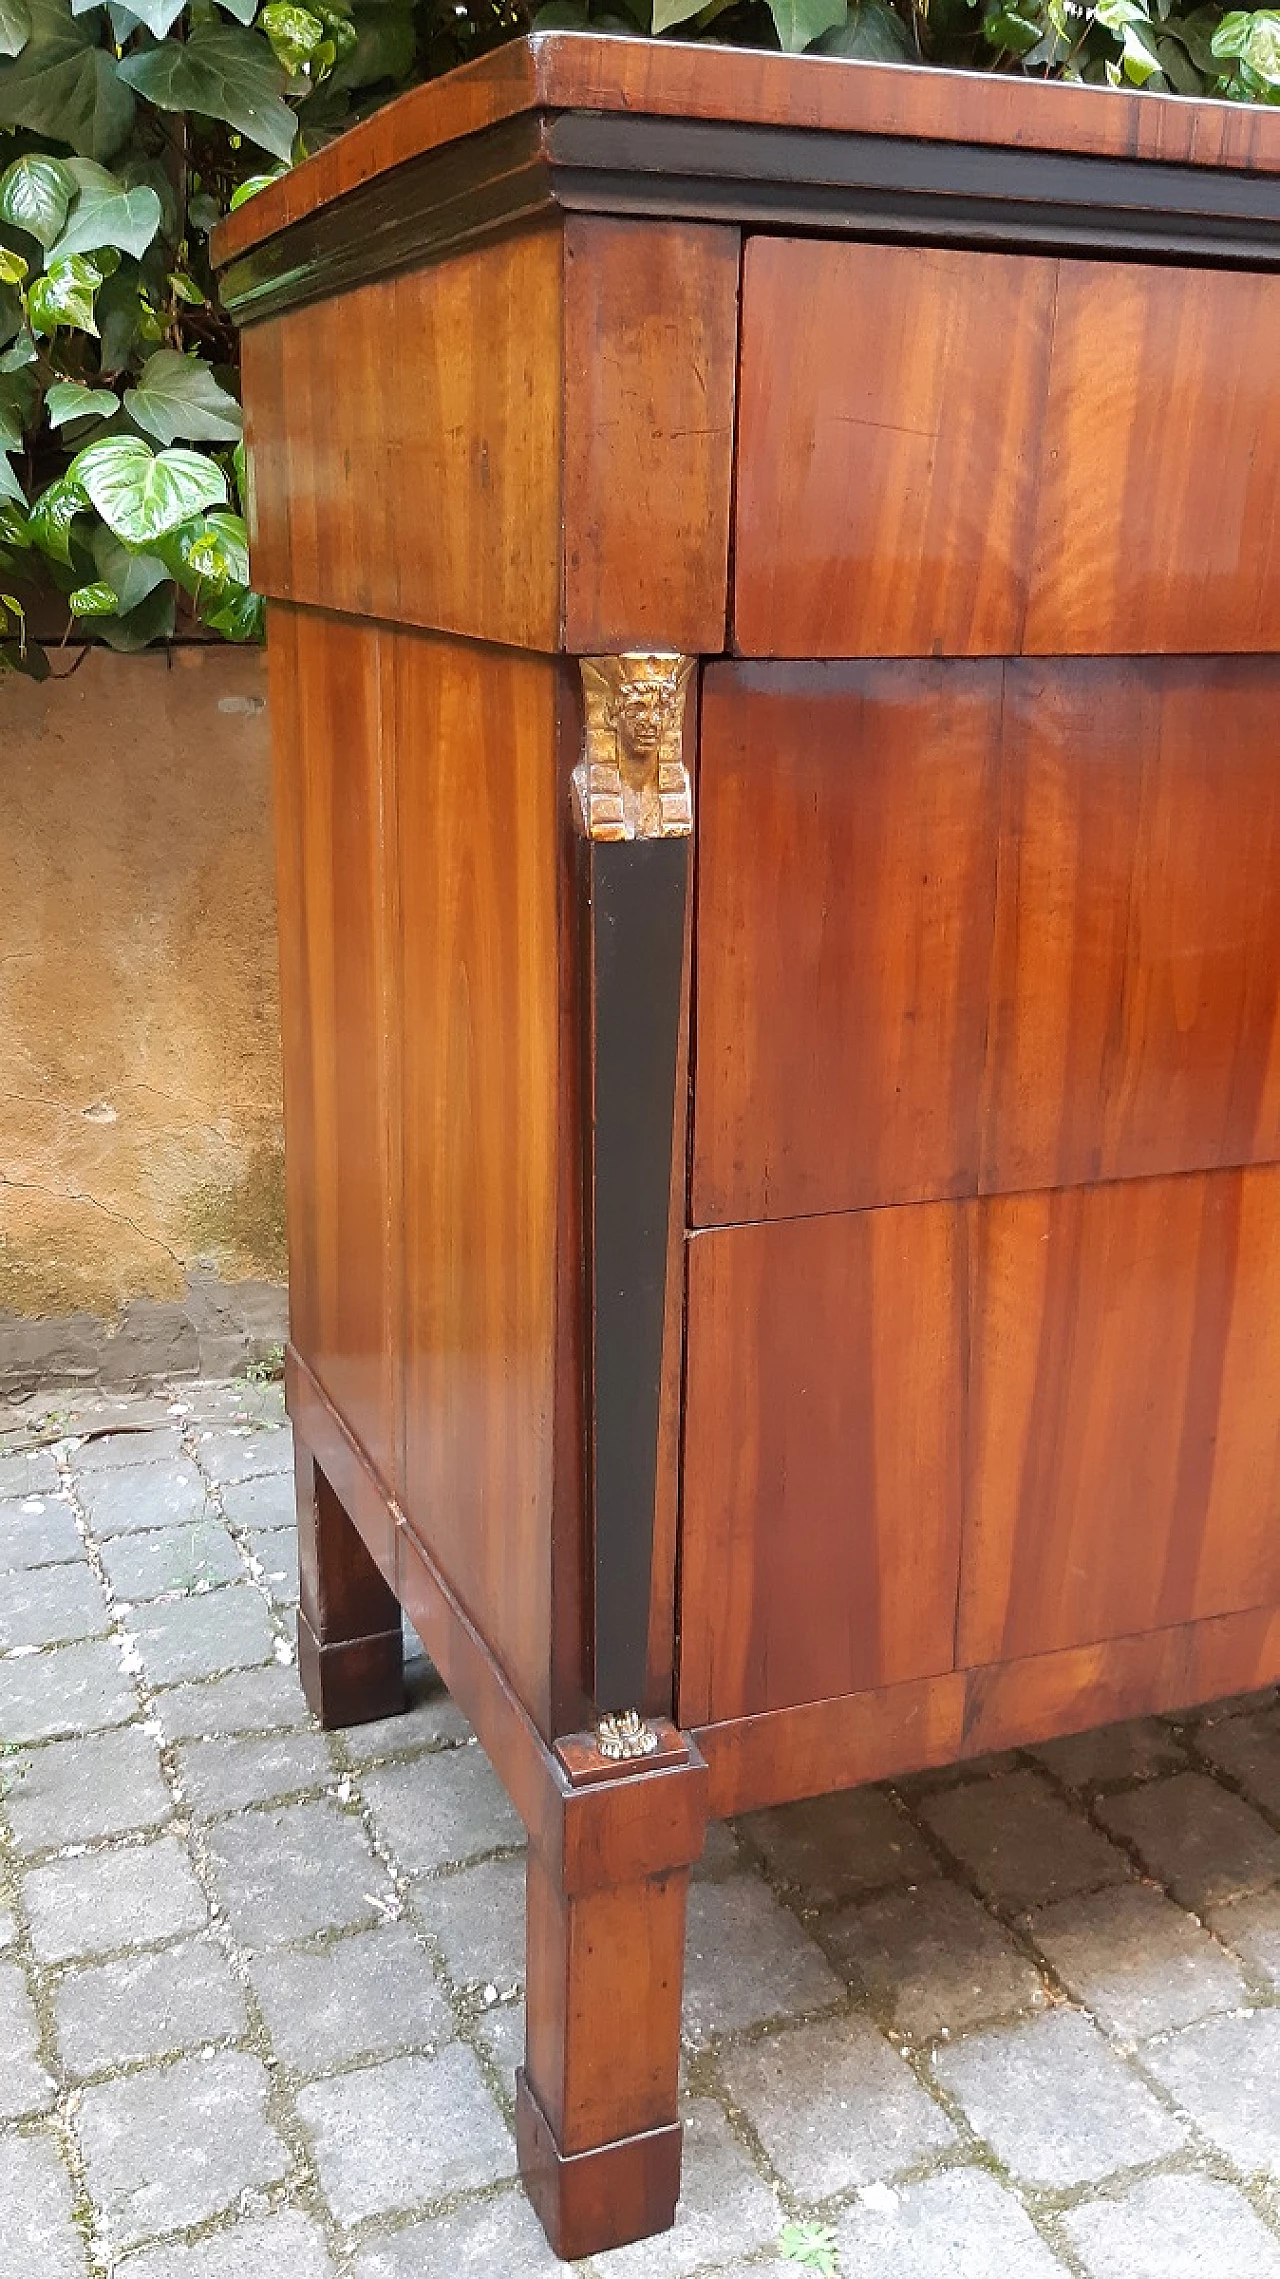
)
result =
(260, 1988)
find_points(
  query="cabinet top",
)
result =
(645, 113)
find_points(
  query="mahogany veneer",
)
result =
(775, 648)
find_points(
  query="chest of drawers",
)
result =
(774, 571)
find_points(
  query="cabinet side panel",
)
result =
(405, 445)
(821, 1522)
(338, 984)
(651, 341)
(475, 732)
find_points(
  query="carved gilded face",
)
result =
(642, 712)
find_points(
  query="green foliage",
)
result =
(811, 2247)
(129, 127)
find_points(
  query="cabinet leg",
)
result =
(350, 1643)
(597, 2112)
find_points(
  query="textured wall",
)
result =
(141, 1191)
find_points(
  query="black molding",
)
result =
(635, 894)
(763, 177)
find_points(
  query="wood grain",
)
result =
(1156, 523)
(1135, 1023)
(821, 1518)
(476, 735)
(335, 850)
(651, 342)
(887, 468)
(405, 443)
(1123, 1432)
(846, 886)
(598, 72)
(350, 1640)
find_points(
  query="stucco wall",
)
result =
(141, 1188)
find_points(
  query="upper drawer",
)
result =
(973, 454)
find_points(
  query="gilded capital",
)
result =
(632, 782)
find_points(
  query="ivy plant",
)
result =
(127, 128)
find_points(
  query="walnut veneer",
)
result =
(775, 645)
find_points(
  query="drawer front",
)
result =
(974, 454)
(974, 928)
(821, 1508)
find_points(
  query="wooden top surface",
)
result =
(595, 72)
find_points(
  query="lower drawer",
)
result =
(965, 1433)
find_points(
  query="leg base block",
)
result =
(590, 2201)
(355, 1680)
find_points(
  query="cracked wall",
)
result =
(141, 1172)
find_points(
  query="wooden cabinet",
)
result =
(775, 646)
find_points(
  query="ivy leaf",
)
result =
(249, 188)
(19, 400)
(157, 15)
(13, 528)
(22, 353)
(555, 16)
(141, 494)
(244, 11)
(64, 296)
(212, 550)
(35, 193)
(64, 85)
(50, 519)
(294, 33)
(107, 214)
(70, 399)
(799, 23)
(97, 600)
(1008, 29)
(151, 619)
(12, 266)
(130, 575)
(223, 72)
(874, 33)
(1232, 34)
(384, 48)
(177, 395)
(239, 614)
(10, 487)
(15, 26)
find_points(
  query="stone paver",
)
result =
(1226, 2075)
(930, 1960)
(225, 1774)
(169, 2148)
(1173, 2227)
(52, 1606)
(366, 1996)
(1055, 2103)
(286, 1874)
(74, 1792)
(747, 1960)
(1249, 1749)
(401, 2135)
(139, 1497)
(442, 1808)
(833, 2105)
(286, 2246)
(240, 1454)
(838, 1847)
(1206, 1844)
(147, 2006)
(38, 2238)
(960, 2226)
(498, 2236)
(190, 1638)
(1022, 1844)
(1251, 1927)
(37, 1531)
(889, 1993)
(171, 1559)
(111, 1899)
(25, 2087)
(76, 1689)
(1137, 1961)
